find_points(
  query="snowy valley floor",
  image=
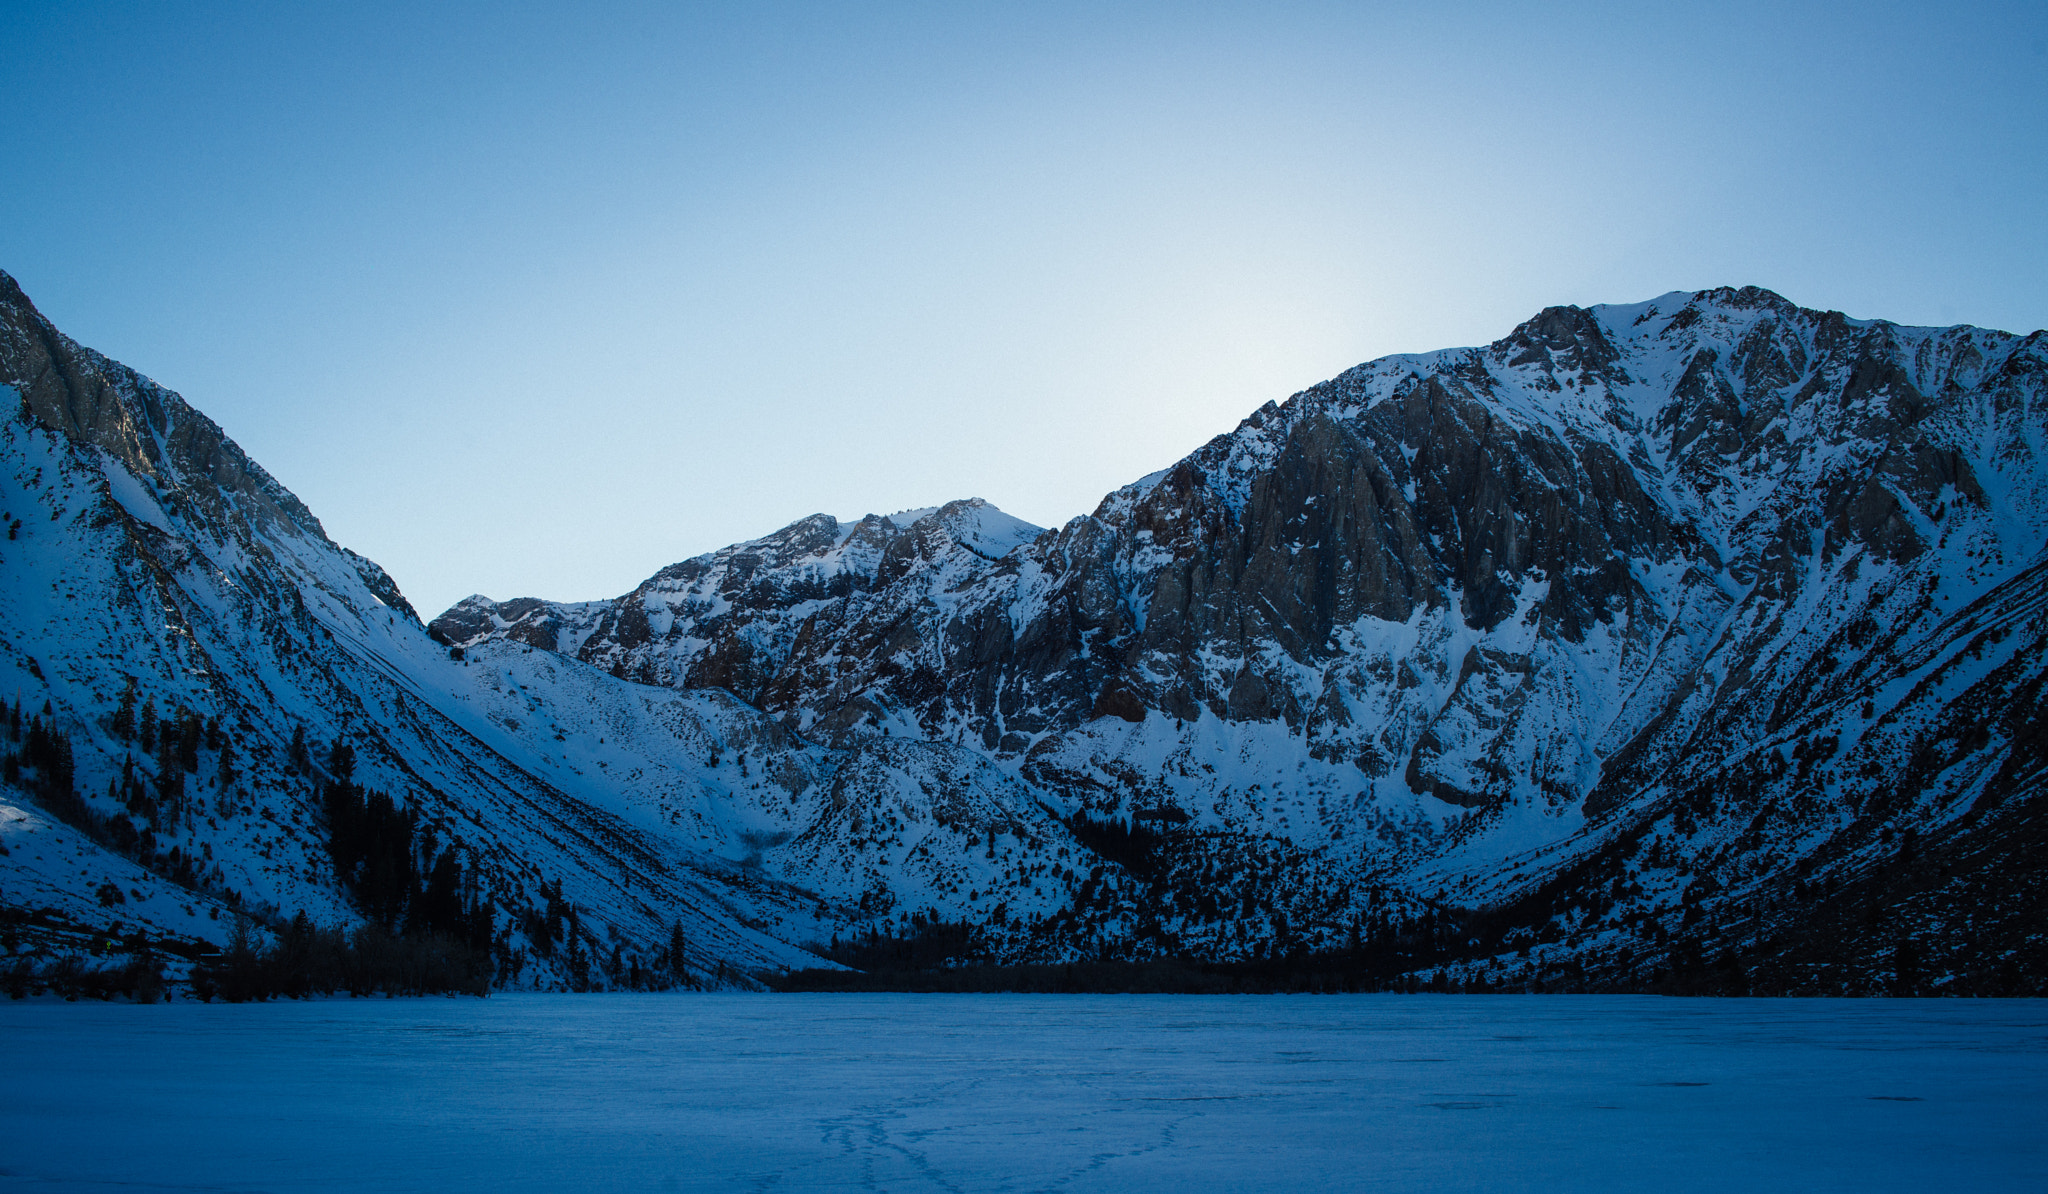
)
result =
(1026, 1093)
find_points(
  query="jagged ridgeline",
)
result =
(1689, 645)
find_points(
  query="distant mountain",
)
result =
(1687, 645)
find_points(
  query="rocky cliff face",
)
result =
(1610, 486)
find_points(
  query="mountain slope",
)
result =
(154, 573)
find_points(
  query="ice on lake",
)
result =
(1026, 1093)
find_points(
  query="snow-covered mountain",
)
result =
(1689, 643)
(1724, 599)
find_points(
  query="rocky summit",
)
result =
(1686, 645)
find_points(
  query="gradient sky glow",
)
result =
(535, 299)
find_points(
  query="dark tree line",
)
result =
(400, 877)
(40, 760)
(308, 959)
(929, 954)
(926, 943)
(1129, 844)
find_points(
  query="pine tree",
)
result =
(439, 907)
(551, 925)
(170, 775)
(341, 760)
(190, 729)
(61, 775)
(579, 964)
(124, 717)
(676, 945)
(483, 926)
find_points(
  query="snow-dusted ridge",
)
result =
(1651, 628)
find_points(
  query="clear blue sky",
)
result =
(534, 299)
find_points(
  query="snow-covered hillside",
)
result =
(156, 578)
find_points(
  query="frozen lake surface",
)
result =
(1024, 1093)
